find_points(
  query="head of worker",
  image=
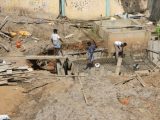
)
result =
(88, 43)
(67, 59)
(124, 44)
(55, 31)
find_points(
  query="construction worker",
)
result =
(90, 50)
(119, 49)
(67, 65)
(56, 40)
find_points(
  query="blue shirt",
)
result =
(91, 49)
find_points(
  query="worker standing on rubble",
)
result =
(56, 40)
(67, 65)
(90, 57)
(119, 49)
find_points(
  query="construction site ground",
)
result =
(94, 94)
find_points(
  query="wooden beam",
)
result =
(36, 57)
(140, 79)
(82, 89)
(70, 76)
(4, 22)
(4, 35)
(5, 47)
(84, 52)
(124, 81)
(118, 68)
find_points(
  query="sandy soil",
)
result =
(10, 98)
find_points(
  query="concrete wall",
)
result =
(137, 40)
(154, 46)
(112, 31)
(116, 7)
(85, 9)
(36, 7)
(75, 9)
(91, 9)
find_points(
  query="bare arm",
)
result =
(52, 40)
(94, 44)
(120, 48)
(61, 40)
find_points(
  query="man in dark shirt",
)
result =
(67, 65)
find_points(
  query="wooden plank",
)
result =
(140, 80)
(124, 81)
(5, 74)
(143, 72)
(5, 47)
(4, 22)
(2, 83)
(118, 68)
(84, 52)
(82, 89)
(4, 35)
(70, 76)
(130, 26)
(43, 85)
(35, 57)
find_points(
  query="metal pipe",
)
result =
(107, 7)
(63, 7)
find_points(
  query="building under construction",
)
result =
(37, 83)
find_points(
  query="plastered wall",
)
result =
(74, 9)
(137, 40)
(116, 7)
(85, 9)
(30, 6)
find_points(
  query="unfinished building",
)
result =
(34, 83)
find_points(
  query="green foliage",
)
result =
(158, 30)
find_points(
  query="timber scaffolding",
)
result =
(140, 58)
(128, 63)
(107, 62)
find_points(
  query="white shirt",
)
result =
(118, 43)
(55, 38)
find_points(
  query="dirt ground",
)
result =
(11, 98)
(89, 98)
(98, 95)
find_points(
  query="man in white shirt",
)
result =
(56, 40)
(119, 48)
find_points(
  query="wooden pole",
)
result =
(118, 68)
(140, 80)
(84, 96)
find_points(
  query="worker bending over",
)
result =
(119, 49)
(56, 41)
